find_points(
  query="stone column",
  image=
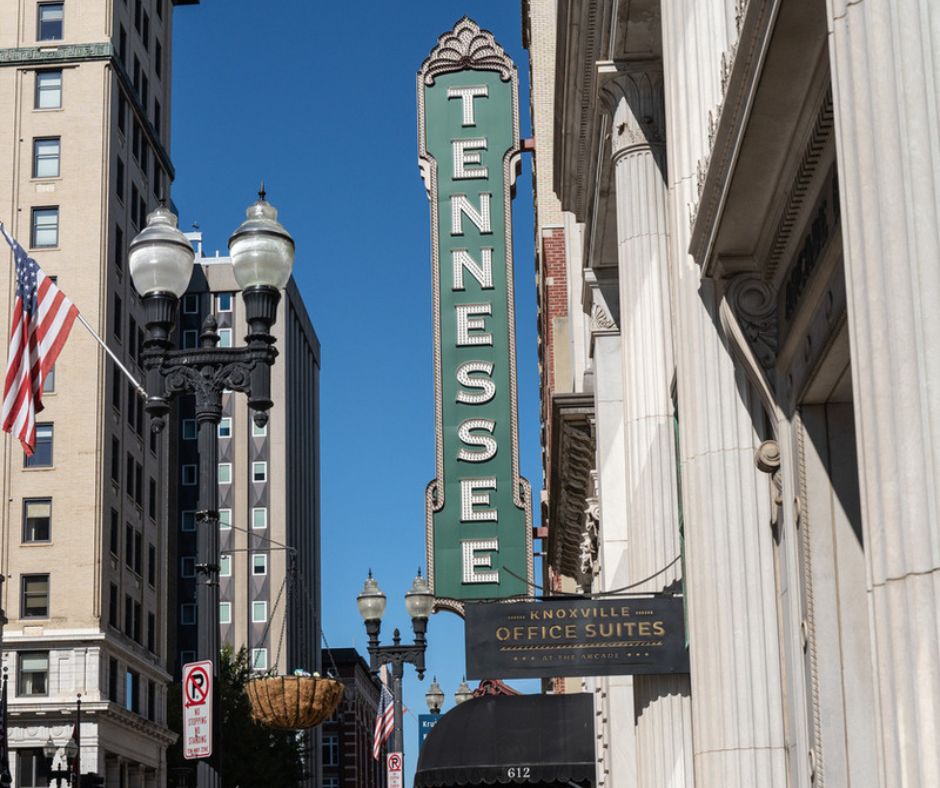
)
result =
(634, 95)
(885, 78)
(614, 705)
(737, 699)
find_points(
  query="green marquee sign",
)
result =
(479, 509)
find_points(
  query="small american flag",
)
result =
(384, 720)
(42, 319)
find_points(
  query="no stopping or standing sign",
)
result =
(197, 709)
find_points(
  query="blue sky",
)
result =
(318, 99)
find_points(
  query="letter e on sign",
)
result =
(197, 709)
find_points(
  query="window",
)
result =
(151, 564)
(225, 427)
(37, 519)
(189, 474)
(137, 14)
(112, 679)
(331, 782)
(48, 90)
(259, 612)
(132, 691)
(48, 385)
(119, 248)
(151, 700)
(128, 545)
(259, 659)
(188, 613)
(190, 338)
(145, 32)
(158, 58)
(42, 453)
(113, 604)
(225, 612)
(49, 23)
(135, 217)
(46, 157)
(190, 304)
(122, 54)
(223, 302)
(156, 124)
(32, 673)
(259, 517)
(225, 473)
(115, 537)
(119, 179)
(225, 566)
(259, 471)
(115, 460)
(188, 566)
(32, 768)
(35, 596)
(152, 633)
(259, 564)
(225, 519)
(188, 521)
(190, 429)
(258, 432)
(225, 337)
(187, 656)
(152, 497)
(45, 227)
(117, 318)
(331, 750)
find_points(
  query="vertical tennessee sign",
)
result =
(479, 510)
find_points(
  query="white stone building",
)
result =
(738, 229)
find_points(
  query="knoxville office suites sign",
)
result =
(479, 516)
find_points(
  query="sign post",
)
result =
(395, 764)
(479, 508)
(197, 710)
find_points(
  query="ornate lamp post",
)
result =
(161, 264)
(463, 692)
(419, 601)
(434, 697)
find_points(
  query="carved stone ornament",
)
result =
(767, 460)
(466, 46)
(601, 319)
(633, 93)
(588, 564)
(754, 304)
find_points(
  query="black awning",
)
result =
(511, 739)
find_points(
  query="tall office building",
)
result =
(85, 97)
(269, 495)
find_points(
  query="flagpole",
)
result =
(140, 389)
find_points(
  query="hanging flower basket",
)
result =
(293, 702)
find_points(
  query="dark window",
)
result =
(115, 460)
(112, 679)
(48, 385)
(49, 23)
(151, 700)
(45, 227)
(117, 318)
(152, 633)
(153, 441)
(115, 536)
(159, 6)
(32, 673)
(119, 248)
(132, 336)
(128, 615)
(137, 616)
(42, 453)
(142, 210)
(32, 768)
(113, 614)
(140, 344)
(158, 57)
(145, 32)
(129, 545)
(151, 564)
(35, 596)
(119, 174)
(156, 117)
(131, 405)
(122, 47)
(37, 519)
(136, 136)
(138, 12)
(138, 552)
(138, 491)
(152, 500)
(46, 154)
(135, 219)
(144, 95)
(135, 80)
(48, 90)
(122, 112)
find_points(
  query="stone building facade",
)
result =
(85, 93)
(741, 390)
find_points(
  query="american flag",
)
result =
(384, 720)
(42, 319)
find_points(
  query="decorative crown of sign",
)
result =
(466, 46)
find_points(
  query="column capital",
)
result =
(632, 92)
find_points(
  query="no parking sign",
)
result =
(396, 765)
(197, 709)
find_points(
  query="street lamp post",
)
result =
(434, 697)
(419, 601)
(161, 264)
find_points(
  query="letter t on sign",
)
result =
(467, 95)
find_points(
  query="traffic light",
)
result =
(92, 780)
